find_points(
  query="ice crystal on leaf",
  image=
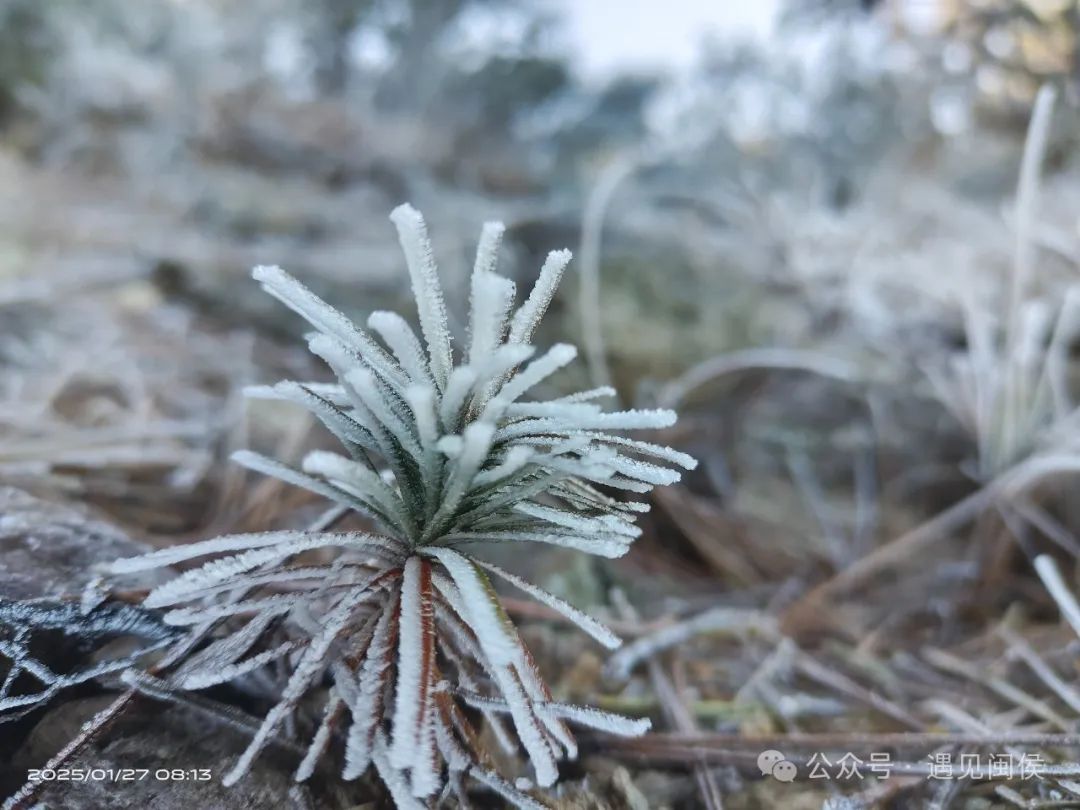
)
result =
(440, 455)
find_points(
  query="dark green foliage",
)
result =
(28, 43)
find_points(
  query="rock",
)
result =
(156, 738)
(48, 550)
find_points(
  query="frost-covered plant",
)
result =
(1009, 387)
(90, 627)
(438, 456)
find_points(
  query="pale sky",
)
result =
(611, 34)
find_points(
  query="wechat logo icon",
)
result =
(773, 763)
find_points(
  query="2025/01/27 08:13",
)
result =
(118, 774)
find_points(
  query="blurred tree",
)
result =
(584, 122)
(617, 117)
(415, 29)
(331, 26)
(28, 43)
(469, 46)
(815, 114)
(801, 12)
(504, 86)
(1010, 47)
(992, 55)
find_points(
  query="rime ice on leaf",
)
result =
(91, 625)
(440, 457)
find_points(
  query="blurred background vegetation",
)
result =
(817, 206)
(215, 133)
